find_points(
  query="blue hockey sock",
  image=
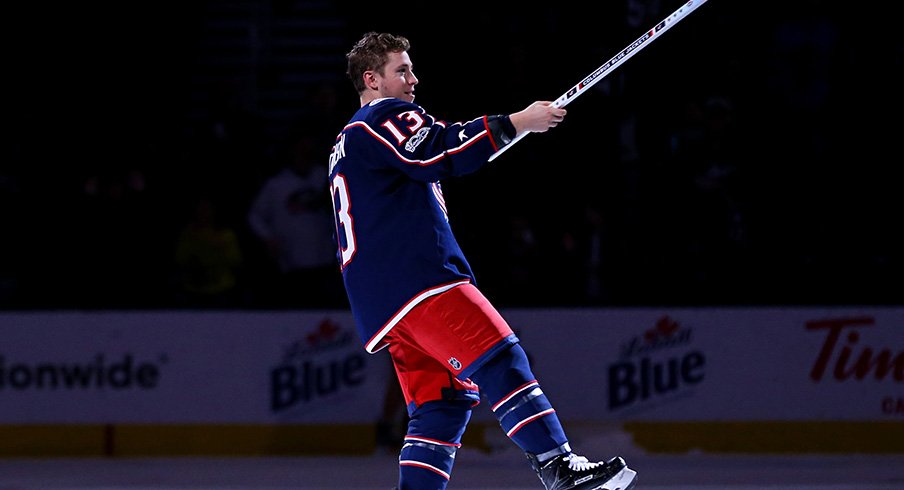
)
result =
(523, 411)
(434, 436)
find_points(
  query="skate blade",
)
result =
(623, 480)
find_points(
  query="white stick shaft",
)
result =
(613, 63)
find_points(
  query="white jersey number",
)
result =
(344, 221)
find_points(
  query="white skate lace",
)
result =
(580, 463)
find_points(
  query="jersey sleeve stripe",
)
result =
(423, 163)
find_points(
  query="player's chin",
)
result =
(408, 97)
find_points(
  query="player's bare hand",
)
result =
(537, 117)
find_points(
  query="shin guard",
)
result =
(434, 436)
(519, 404)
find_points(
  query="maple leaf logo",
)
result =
(325, 333)
(665, 327)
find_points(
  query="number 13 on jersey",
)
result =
(344, 229)
(342, 205)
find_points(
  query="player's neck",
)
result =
(369, 96)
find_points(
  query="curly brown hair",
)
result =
(371, 52)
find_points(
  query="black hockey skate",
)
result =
(573, 472)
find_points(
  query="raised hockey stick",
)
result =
(614, 62)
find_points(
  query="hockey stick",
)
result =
(614, 62)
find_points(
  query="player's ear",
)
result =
(370, 79)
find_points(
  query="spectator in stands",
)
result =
(292, 217)
(208, 260)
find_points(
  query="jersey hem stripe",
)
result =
(375, 343)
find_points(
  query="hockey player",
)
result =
(411, 288)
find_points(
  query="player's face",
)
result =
(397, 79)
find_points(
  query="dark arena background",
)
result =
(747, 157)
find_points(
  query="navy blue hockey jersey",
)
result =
(396, 247)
